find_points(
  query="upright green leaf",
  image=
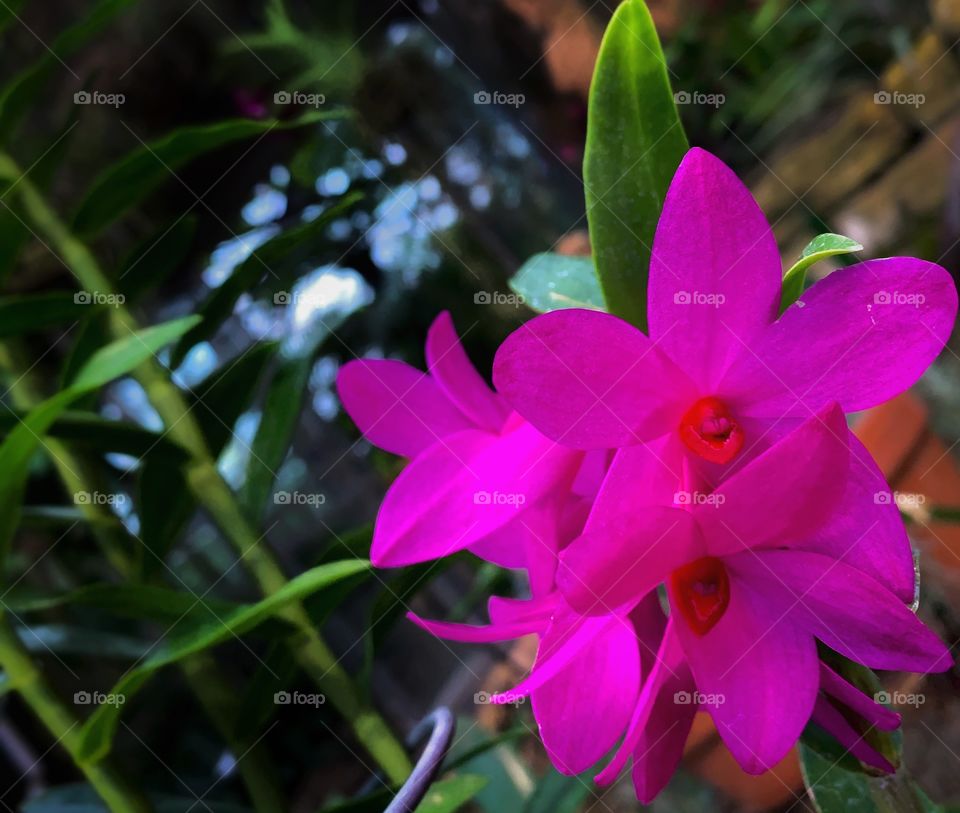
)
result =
(550, 282)
(199, 630)
(21, 92)
(635, 142)
(134, 177)
(820, 248)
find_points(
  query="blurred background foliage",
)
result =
(304, 234)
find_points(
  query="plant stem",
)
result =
(213, 493)
(119, 795)
(201, 671)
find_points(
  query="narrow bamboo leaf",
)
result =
(8, 13)
(820, 248)
(93, 333)
(166, 506)
(450, 794)
(87, 430)
(19, 94)
(201, 630)
(134, 177)
(28, 313)
(20, 445)
(635, 142)
(137, 601)
(152, 262)
(289, 247)
(283, 404)
(549, 282)
(122, 356)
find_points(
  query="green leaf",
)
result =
(287, 248)
(68, 639)
(635, 142)
(450, 794)
(18, 448)
(137, 601)
(122, 356)
(556, 793)
(21, 92)
(820, 248)
(836, 784)
(199, 630)
(166, 506)
(281, 411)
(8, 12)
(133, 178)
(550, 282)
(28, 313)
(151, 262)
(87, 430)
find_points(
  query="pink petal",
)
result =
(396, 407)
(670, 674)
(510, 611)
(712, 241)
(584, 709)
(876, 715)
(589, 380)
(845, 344)
(846, 609)
(602, 571)
(835, 724)
(785, 494)
(471, 634)
(762, 671)
(866, 531)
(462, 489)
(459, 379)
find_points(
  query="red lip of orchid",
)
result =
(709, 430)
(701, 592)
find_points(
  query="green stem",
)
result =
(212, 492)
(25, 678)
(201, 671)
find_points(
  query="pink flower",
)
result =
(480, 477)
(754, 578)
(721, 377)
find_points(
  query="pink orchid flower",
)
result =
(753, 582)
(480, 477)
(720, 377)
(586, 689)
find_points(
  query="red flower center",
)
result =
(709, 430)
(701, 592)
